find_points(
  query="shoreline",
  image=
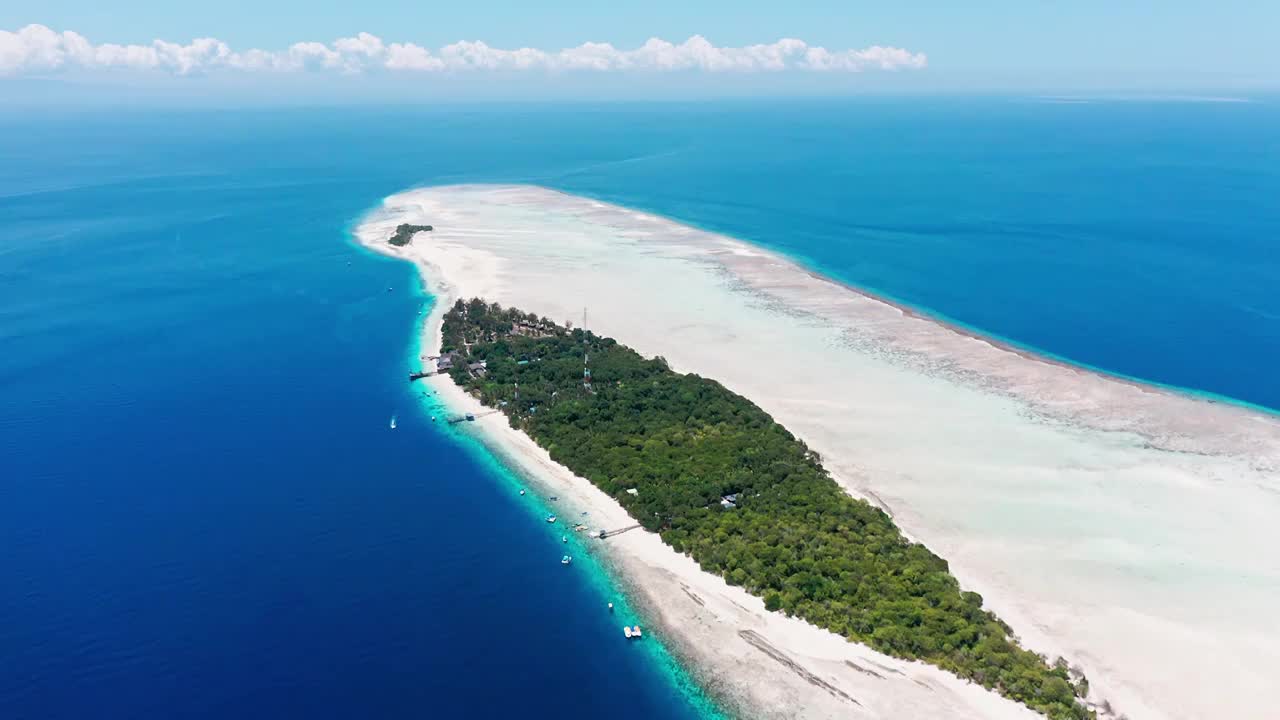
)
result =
(764, 674)
(1102, 429)
(631, 606)
(674, 594)
(508, 454)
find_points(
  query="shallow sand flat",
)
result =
(1127, 528)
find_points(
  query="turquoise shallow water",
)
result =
(203, 512)
(602, 585)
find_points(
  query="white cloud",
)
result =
(36, 49)
(408, 56)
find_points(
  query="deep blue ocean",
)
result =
(203, 512)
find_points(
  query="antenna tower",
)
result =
(586, 369)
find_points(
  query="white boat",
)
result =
(610, 607)
(564, 538)
(566, 560)
(551, 518)
(635, 631)
(626, 630)
(393, 422)
(521, 491)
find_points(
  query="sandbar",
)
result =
(1126, 527)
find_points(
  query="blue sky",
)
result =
(1032, 46)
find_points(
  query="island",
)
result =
(405, 232)
(719, 480)
(1099, 517)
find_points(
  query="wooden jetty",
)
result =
(419, 375)
(610, 533)
(471, 416)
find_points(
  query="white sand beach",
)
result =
(1126, 528)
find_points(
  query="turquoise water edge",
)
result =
(604, 584)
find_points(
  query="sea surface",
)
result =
(205, 513)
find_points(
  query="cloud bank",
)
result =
(36, 49)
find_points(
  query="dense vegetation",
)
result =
(794, 538)
(405, 232)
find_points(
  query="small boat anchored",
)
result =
(632, 633)
(522, 491)
(393, 422)
(566, 560)
(551, 518)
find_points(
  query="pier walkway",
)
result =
(610, 533)
(472, 416)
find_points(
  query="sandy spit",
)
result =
(1122, 526)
